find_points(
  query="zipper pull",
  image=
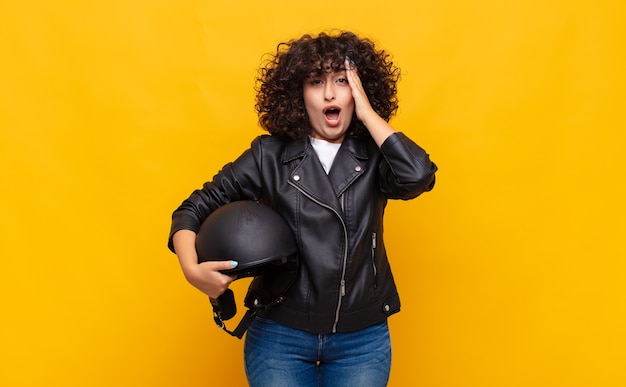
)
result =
(343, 288)
(373, 240)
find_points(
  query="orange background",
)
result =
(511, 271)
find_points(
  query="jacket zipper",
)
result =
(374, 257)
(342, 292)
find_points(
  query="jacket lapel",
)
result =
(309, 176)
(348, 165)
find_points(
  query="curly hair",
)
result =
(279, 84)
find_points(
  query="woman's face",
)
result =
(329, 105)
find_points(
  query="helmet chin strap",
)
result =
(225, 308)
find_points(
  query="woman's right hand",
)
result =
(205, 276)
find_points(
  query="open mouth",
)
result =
(332, 114)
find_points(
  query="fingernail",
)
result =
(349, 63)
(234, 263)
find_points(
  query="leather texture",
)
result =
(344, 282)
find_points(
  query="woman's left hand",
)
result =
(378, 128)
(362, 105)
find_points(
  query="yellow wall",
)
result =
(511, 271)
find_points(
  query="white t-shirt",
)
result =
(326, 152)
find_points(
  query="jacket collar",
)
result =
(309, 176)
(297, 148)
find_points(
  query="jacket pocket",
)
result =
(374, 268)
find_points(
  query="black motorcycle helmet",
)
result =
(262, 243)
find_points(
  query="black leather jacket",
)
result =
(344, 282)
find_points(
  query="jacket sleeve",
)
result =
(406, 171)
(237, 180)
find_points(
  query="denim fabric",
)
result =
(279, 356)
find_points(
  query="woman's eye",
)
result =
(316, 82)
(342, 80)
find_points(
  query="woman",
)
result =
(328, 166)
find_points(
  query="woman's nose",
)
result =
(329, 92)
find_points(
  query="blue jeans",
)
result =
(279, 356)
